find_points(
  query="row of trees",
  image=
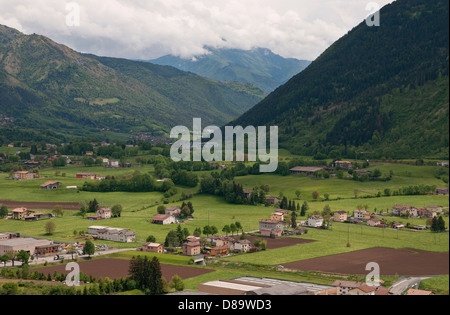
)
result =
(438, 224)
(231, 191)
(137, 183)
(147, 274)
(144, 274)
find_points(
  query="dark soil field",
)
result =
(118, 268)
(41, 205)
(273, 243)
(402, 262)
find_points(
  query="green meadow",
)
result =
(139, 208)
(334, 241)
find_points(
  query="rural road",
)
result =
(404, 284)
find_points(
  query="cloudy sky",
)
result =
(147, 29)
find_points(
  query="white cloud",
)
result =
(146, 29)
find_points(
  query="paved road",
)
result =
(406, 283)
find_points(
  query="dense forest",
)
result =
(380, 90)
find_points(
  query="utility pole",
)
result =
(348, 235)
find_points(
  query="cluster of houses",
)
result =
(413, 212)
(212, 246)
(370, 219)
(275, 226)
(25, 214)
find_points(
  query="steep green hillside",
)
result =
(382, 90)
(45, 85)
(259, 67)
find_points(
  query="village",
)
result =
(209, 244)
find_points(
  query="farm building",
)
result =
(306, 170)
(112, 234)
(163, 219)
(50, 185)
(345, 165)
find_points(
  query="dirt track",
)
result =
(118, 268)
(74, 206)
(403, 262)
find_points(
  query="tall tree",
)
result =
(89, 248)
(50, 227)
(156, 283)
(305, 207)
(226, 229)
(294, 219)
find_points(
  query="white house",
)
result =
(112, 234)
(315, 221)
(164, 219)
(242, 246)
(113, 163)
(362, 214)
(104, 213)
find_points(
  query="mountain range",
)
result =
(379, 90)
(46, 86)
(259, 66)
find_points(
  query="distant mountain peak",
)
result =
(257, 66)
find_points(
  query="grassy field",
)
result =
(334, 241)
(438, 285)
(139, 208)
